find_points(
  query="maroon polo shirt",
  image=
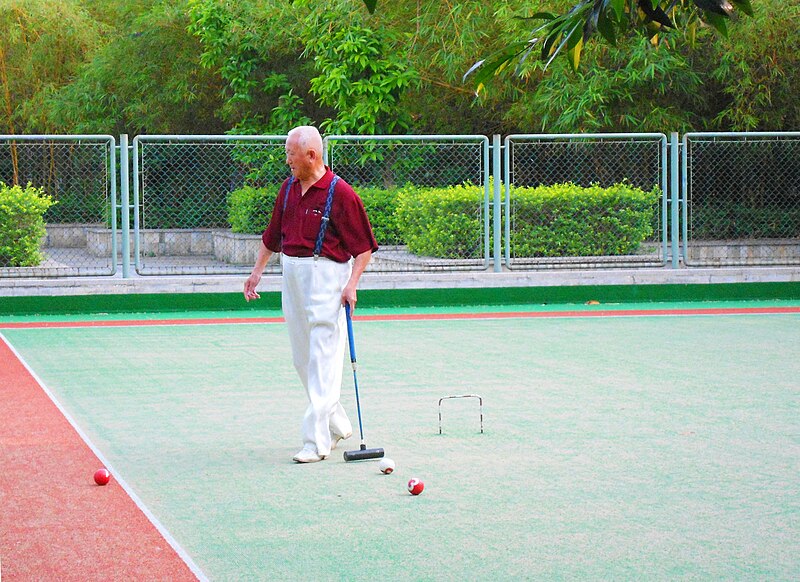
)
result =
(295, 233)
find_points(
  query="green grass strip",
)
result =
(403, 298)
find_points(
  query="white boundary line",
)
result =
(127, 488)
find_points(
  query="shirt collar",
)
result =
(324, 182)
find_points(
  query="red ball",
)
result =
(415, 486)
(102, 476)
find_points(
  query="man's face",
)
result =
(298, 159)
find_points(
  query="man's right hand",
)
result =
(250, 287)
(264, 255)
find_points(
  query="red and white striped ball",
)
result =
(415, 486)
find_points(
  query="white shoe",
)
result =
(307, 456)
(335, 438)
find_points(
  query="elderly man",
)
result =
(318, 225)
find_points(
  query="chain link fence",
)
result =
(78, 173)
(585, 201)
(427, 198)
(200, 202)
(187, 191)
(741, 199)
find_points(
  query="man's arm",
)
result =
(264, 255)
(360, 263)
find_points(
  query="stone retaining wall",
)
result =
(242, 249)
(223, 245)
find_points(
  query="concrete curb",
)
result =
(452, 280)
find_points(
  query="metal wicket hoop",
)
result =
(480, 407)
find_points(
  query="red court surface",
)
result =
(55, 522)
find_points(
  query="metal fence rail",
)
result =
(741, 199)
(427, 197)
(78, 172)
(181, 188)
(638, 160)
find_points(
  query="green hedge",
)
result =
(566, 220)
(381, 205)
(22, 225)
(250, 209)
(549, 221)
(442, 222)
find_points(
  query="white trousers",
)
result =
(312, 306)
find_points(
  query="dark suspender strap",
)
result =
(285, 199)
(323, 227)
(286, 192)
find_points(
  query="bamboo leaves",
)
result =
(613, 19)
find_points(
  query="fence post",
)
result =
(673, 166)
(126, 207)
(507, 200)
(112, 186)
(497, 214)
(683, 198)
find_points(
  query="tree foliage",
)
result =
(263, 66)
(250, 45)
(146, 78)
(612, 20)
(319, 61)
(359, 74)
(757, 70)
(632, 87)
(568, 31)
(42, 44)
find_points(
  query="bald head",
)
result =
(307, 137)
(304, 154)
